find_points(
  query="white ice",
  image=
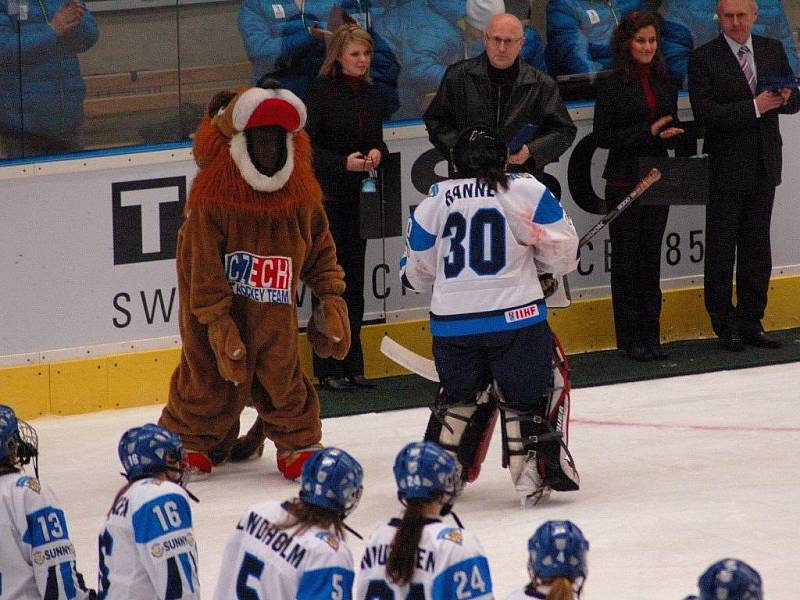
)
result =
(676, 473)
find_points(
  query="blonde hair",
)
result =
(346, 34)
(561, 589)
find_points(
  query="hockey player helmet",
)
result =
(731, 579)
(425, 471)
(149, 450)
(333, 480)
(19, 444)
(478, 150)
(558, 549)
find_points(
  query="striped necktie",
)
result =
(746, 68)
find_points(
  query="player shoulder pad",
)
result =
(451, 534)
(330, 539)
(29, 482)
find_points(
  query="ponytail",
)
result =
(561, 589)
(495, 178)
(403, 552)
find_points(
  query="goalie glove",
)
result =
(229, 350)
(329, 328)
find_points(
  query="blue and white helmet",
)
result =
(730, 579)
(149, 450)
(333, 480)
(558, 549)
(425, 471)
(17, 438)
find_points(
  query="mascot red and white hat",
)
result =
(256, 107)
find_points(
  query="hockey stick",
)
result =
(408, 359)
(641, 187)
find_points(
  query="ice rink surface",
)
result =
(676, 473)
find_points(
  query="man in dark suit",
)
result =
(744, 144)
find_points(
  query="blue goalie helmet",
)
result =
(425, 471)
(333, 480)
(558, 549)
(730, 579)
(148, 450)
(17, 438)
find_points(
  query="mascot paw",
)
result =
(229, 350)
(250, 445)
(329, 328)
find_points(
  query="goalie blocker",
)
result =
(534, 445)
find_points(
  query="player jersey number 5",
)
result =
(324, 584)
(481, 242)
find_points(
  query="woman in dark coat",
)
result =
(636, 115)
(345, 122)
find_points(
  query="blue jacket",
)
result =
(275, 35)
(579, 33)
(424, 44)
(52, 86)
(689, 24)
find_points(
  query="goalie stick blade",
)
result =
(408, 359)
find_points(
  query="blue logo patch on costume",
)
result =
(451, 534)
(329, 539)
(30, 483)
(260, 278)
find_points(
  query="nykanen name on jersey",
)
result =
(378, 555)
(272, 536)
(471, 189)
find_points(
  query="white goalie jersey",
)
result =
(37, 558)
(450, 564)
(482, 251)
(148, 549)
(264, 559)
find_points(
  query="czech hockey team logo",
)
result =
(260, 278)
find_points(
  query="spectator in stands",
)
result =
(636, 115)
(689, 24)
(730, 579)
(501, 91)
(479, 13)
(423, 42)
(345, 124)
(579, 33)
(286, 40)
(41, 87)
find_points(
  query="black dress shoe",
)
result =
(656, 352)
(759, 339)
(335, 384)
(638, 353)
(361, 381)
(731, 340)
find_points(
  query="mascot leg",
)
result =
(464, 430)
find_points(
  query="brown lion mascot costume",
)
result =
(254, 227)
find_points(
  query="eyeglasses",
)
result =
(498, 41)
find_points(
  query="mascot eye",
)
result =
(219, 102)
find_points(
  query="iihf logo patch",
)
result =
(452, 534)
(329, 539)
(260, 278)
(30, 483)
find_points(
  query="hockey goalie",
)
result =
(480, 241)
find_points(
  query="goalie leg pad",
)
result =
(465, 430)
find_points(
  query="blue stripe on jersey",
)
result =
(549, 209)
(333, 582)
(187, 569)
(468, 579)
(68, 579)
(467, 324)
(420, 240)
(160, 516)
(45, 526)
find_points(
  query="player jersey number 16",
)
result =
(485, 250)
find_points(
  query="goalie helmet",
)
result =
(19, 444)
(478, 150)
(425, 471)
(731, 579)
(333, 480)
(558, 549)
(149, 450)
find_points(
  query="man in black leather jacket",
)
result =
(500, 90)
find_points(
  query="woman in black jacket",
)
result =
(636, 115)
(345, 122)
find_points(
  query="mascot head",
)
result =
(261, 123)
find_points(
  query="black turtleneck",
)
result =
(501, 80)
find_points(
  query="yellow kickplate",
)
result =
(26, 389)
